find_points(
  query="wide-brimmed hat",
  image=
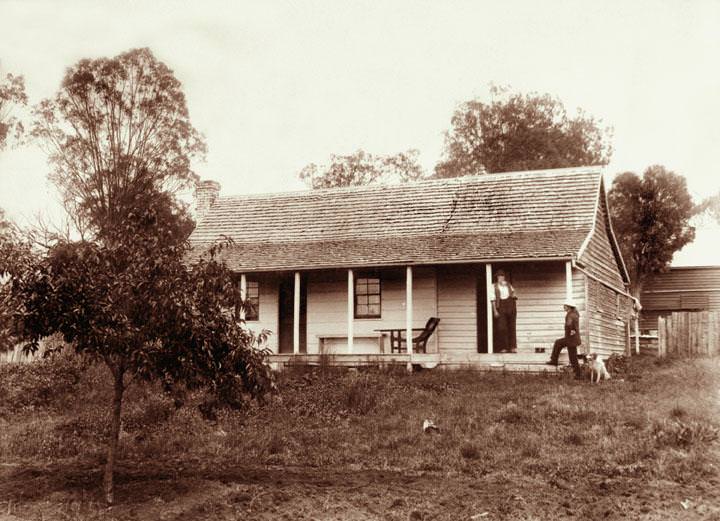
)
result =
(500, 272)
(570, 302)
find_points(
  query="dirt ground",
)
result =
(151, 491)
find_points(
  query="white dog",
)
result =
(597, 367)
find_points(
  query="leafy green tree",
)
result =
(517, 131)
(133, 303)
(12, 251)
(711, 206)
(361, 168)
(12, 95)
(651, 219)
(115, 126)
(120, 144)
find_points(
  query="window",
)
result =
(367, 297)
(252, 312)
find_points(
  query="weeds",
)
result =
(678, 412)
(575, 438)
(361, 395)
(470, 451)
(684, 435)
(371, 418)
(513, 414)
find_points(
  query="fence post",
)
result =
(628, 345)
(662, 337)
(691, 331)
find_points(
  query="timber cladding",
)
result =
(609, 314)
(601, 257)
(683, 288)
(686, 333)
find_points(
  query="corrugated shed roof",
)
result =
(535, 214)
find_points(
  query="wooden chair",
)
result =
(398, 344)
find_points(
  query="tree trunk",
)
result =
(636, 288)
(108, 484)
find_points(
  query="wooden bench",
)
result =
(378, 337)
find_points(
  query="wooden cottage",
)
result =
(332, 271)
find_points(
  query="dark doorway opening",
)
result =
(481, 312)
(286, 320)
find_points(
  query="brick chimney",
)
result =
(206, 192)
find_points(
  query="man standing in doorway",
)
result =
(503, 299)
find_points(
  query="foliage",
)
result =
(120, 143)
(13, 252)
(116, 125)
(362, 168)
(29, 387)
(515, 131)
(132, 303)
(651, 218)
(12, 94)
(711, 206)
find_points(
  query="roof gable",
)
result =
(600, 250)
(510, 215)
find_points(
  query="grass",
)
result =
(336, 443)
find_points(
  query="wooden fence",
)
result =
(16, 355)
(687, 333)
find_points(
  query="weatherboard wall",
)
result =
(327, 312)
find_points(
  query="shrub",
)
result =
(38, 384)
(149, 412)
(683, 435)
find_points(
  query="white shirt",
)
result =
(504, 291)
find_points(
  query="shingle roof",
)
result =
(538, 214)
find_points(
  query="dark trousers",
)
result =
(572, 353)
(504, 331)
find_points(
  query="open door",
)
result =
(286, 300)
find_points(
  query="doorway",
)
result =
(481, 311)
(286, 301)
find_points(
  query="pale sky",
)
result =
(276, 85)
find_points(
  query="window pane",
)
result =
(252, 298)
(367, 296)
(253, 309)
